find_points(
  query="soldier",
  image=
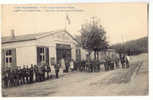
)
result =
(106, 63)
(27, 74)
(92, 66)
(40, 73)
(9, 82)
(24, 74)
(127, 61)
(48, 70)
(43, 72)
(122, 58)
(31, 71)
(20, 75)
(56, 67)
(16, 76)
(83, 65)
(97, 66)
(11, 77)
(67, 65)
(4, 78)
(117, 61)
(36, 73)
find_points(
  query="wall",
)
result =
(25, 52)
(60, 38)
(52, 53)
(26, 55)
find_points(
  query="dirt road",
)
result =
(110, 83)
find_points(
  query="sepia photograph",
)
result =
(74, 49)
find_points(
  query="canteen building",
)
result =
(47, 47)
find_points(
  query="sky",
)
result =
(121, 21)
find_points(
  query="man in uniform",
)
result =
(43, 72)
(57, 66)
(122, 59)
(106, 63)
(20, 75)
(31, 70)
(36, 72)
(127, 61)
(27, 74)
(4, 78)
(8, 72)
(16, 76)
(39, 73)
(48, 71)
(11, 77)
(23, 74)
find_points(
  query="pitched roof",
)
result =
(29, 37)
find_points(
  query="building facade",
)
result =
(39, 48)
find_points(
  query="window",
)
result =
(78, 54)
(8, 58)
(42, 55)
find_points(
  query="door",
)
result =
(63, 51)
(78, 55)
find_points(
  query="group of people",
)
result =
(88, 66)
(15, 76)
(124, 60)
(109, 62)
(63, 66)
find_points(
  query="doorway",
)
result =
(63, 51)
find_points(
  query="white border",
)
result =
(150, 97)
(64, 1)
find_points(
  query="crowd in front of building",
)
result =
(16, 76)
(19, 75)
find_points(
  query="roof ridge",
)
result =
(38, 33)
(26, 37)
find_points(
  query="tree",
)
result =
(93, 37)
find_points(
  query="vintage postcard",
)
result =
(78, 49)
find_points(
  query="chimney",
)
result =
(13, 33)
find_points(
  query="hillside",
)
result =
(133, 47)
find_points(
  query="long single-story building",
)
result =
(47, 47)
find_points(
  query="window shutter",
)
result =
(38, 55)
(13, 57)
(3, 58)
(47, 56)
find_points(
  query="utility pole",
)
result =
(123, 42)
